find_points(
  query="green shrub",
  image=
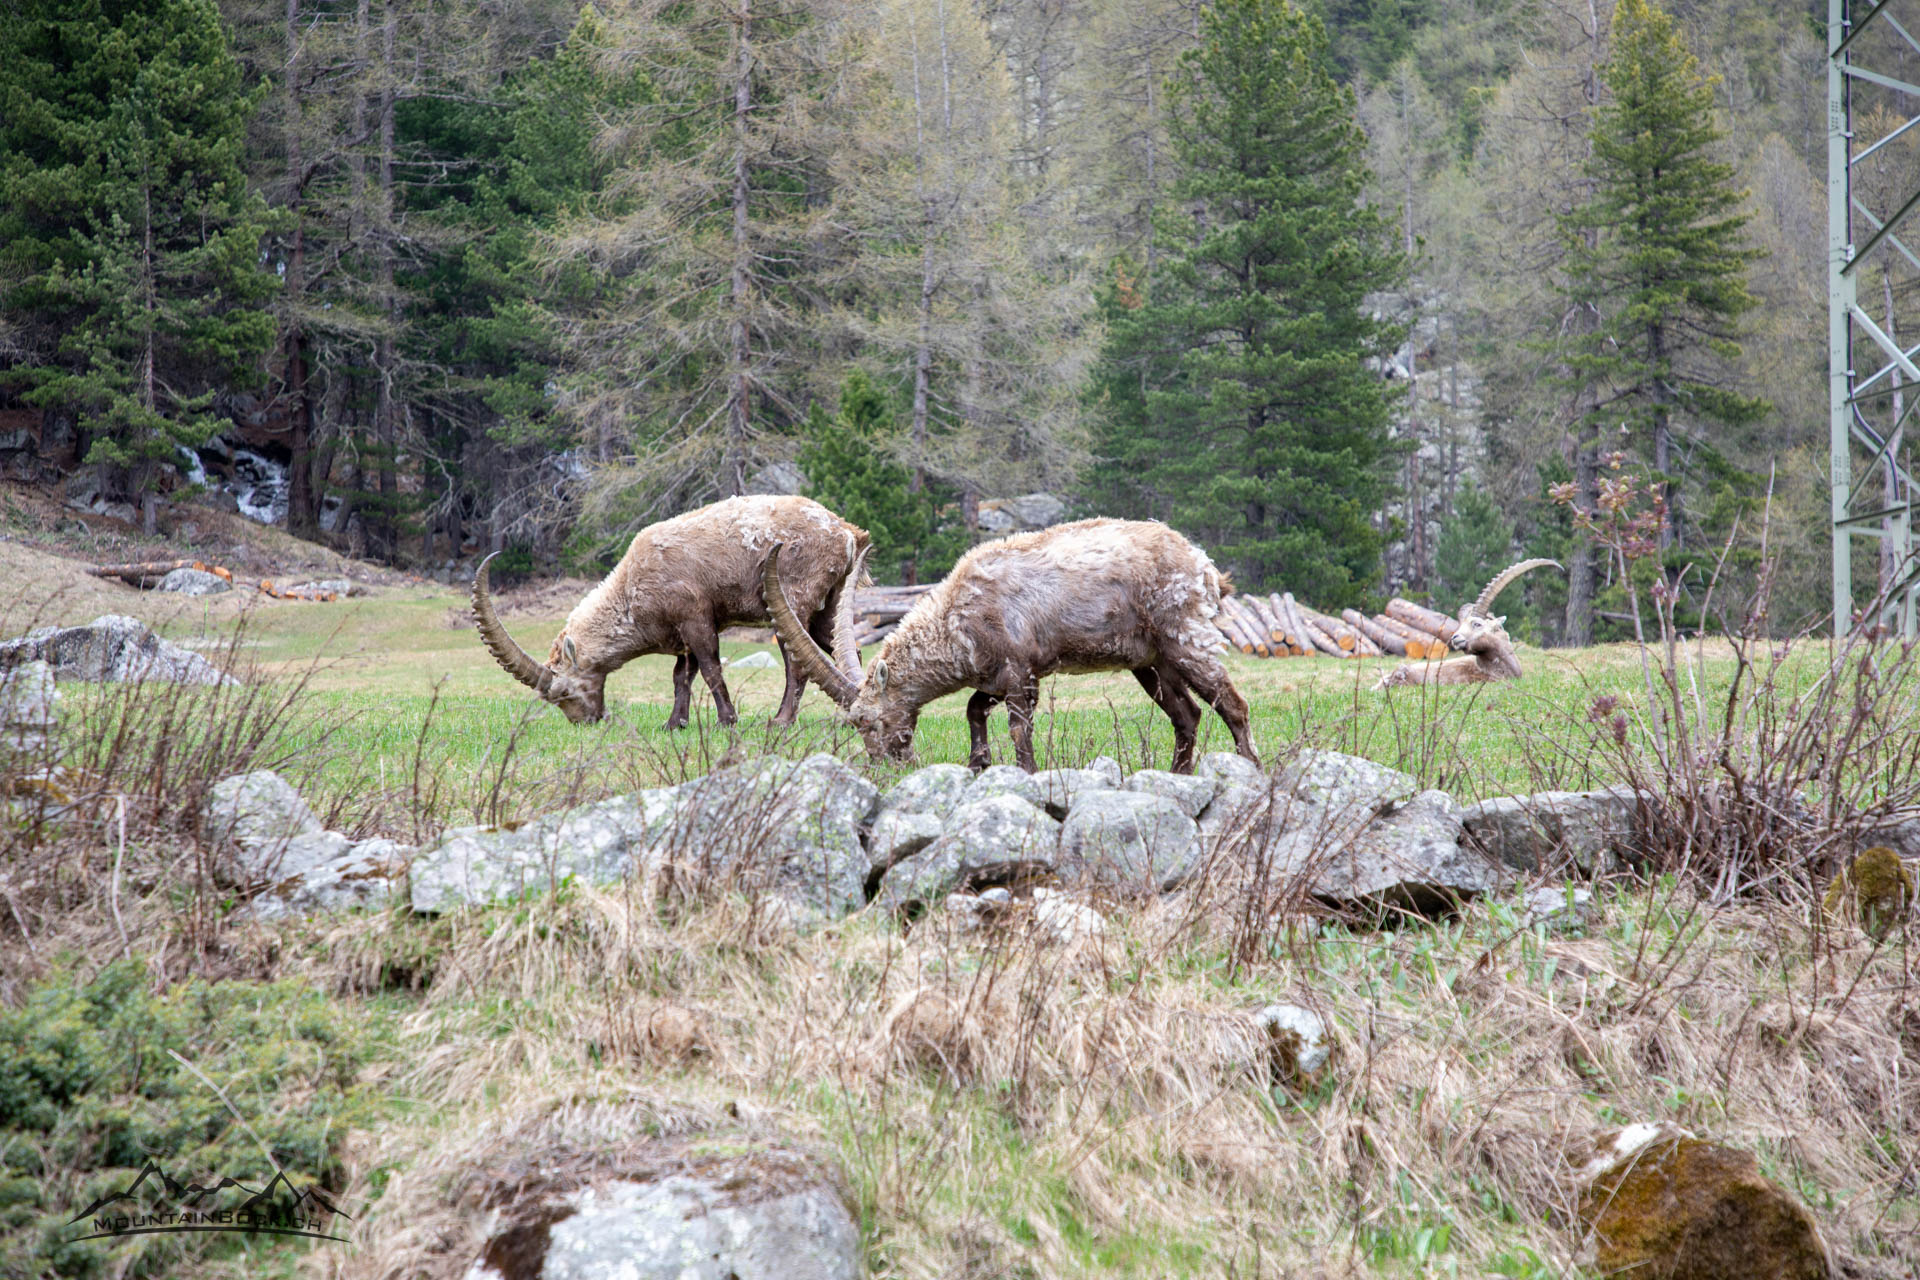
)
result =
(90, 1091)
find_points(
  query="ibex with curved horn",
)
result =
(1098, 595)
(1480, 635)
(680, 584)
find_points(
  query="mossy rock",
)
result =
(1665, 1205)
(1876, 892)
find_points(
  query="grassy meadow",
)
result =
(994, 1106)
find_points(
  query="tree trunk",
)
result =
(386, 411)
(301, 515)
(733, 467)
(1580, 571)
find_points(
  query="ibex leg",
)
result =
(1164, 685)
(703, 642)
(1208, 676)
(682, 692)
(979, 706)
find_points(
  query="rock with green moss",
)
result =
(1876, 892)
(1661, 1204)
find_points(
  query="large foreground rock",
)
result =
(979, 838)
(935, 789)
(111, 647)
(1664, 1204)
(1129, 841)
(1590, 831)
(773, 826)
(758, 1216)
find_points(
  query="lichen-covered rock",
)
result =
(250, 818)
(1191, 792)
(28, 717)
(1342, 784)
(111, 647)
(1410, 858)
(1663, 1204)
(1000, 830)
(1875, 892)
(1059, 788)
(1129, 841)
(753, 1217)
(193, 582)
(901, 833)
(792, 829)
(1299, 1048)
(1061, 921)
(598, 843)
(1005, 780)
(327, 872)
(1108, 768)
(935, 789)
(1230, 771)
(1591, 831)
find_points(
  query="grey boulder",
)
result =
(1590, 831)
(935, 789)
(193, 582)
(1129, 841)
(267, 842)
(1345, 785)
(901, 833)
(1191, 792)
(1410, 858)
(1060, 788)
(112, 648)
(765, 1219)
(27, 711)
(983, 834)
(1005, 780)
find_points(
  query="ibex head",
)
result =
(884, 717)
(561, 679)
(1480, 631)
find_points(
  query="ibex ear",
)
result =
(877, 675)
(566, 647)
(1501, 622)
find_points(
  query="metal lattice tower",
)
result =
(1872, 381)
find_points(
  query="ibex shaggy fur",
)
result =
(680, 584)
(1099, 595)
(1480, 635)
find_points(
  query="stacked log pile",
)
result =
(1270, 626)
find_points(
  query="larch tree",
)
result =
(1659, 256)
(1237, 395)
(129, 233)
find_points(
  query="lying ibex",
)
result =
(680, 584)
(1480, 635)
(1099, 595)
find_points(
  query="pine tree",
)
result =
(1659, 255)
(1235, 392)
(1475, 543)
(850, 464)
(127, 225)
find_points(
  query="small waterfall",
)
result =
(259, 485)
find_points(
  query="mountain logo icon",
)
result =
(172, 1206)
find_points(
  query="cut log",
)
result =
(1269, 624)
(1422, 618)
(1318, 638)
(1382, 639)
(1342, 635)
(1418, 642)
(1291, 638)
(1296, 628)
(1249, 627)
(1230, 628)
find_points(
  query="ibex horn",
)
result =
(518, 662)
(801, 648)
(846, 654)
(1501, 582)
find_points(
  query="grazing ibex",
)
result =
(1480, 635)
(1099, 595)
(680, 584)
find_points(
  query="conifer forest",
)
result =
(1364, 296)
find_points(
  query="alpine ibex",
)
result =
(1099, 595)
(680, 584)
(1480, 635)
